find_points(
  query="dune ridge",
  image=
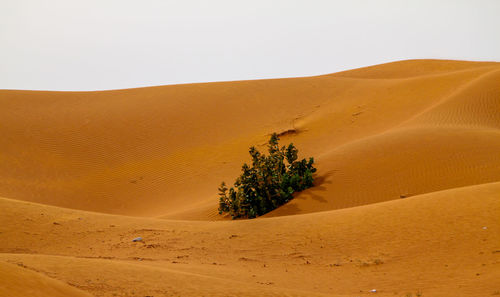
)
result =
(405, 202)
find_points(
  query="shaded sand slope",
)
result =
(445, 243)
(475, 105)
(400, 164)
(22, 282)
(376, 132)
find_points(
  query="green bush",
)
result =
(268, 183)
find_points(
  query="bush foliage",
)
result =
(268, 183)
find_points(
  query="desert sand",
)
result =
(406, 199)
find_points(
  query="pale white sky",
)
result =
(111, 44)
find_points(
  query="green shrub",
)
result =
(268, 183)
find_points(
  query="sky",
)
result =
(106, 44)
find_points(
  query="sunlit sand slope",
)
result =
(22, 282)
(378, 133)
(445, 243)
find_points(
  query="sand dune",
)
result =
(137, 152)
(406, 195)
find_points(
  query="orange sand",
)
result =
(84, 173)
